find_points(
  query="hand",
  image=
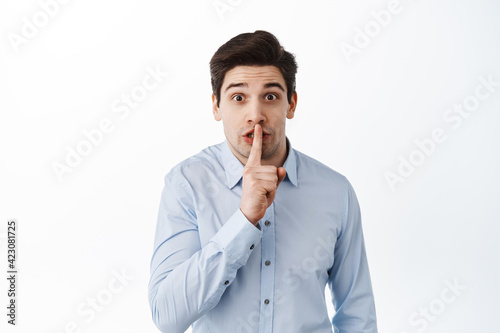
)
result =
(260, 182)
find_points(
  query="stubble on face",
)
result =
(269, 149)
(252, 85)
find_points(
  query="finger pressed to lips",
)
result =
(249, 140)
(256, 150)
(251, 135)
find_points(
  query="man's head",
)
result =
(253, 82)
(259, 48)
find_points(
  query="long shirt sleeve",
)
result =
(214, 270)
(349, 279)
(187, 279)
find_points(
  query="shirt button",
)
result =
(267, 263)
(266, 301)
(226, 283)
(251, 247)
(267, 223)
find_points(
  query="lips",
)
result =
(249, 135)
(250, 132)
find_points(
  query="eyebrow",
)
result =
(274, 84)
(245, 85)
(232, 85)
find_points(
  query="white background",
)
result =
(358, 114)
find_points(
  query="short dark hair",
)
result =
(259, 48)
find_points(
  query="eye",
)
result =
(271, 97)
(237, 98)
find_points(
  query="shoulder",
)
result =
(206, 161)
(311, 167)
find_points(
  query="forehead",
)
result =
(253, 75)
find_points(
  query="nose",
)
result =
(255, 113)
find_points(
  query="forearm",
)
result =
(353, 299)
(349, 281)
(182, 289)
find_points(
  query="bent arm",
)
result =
(188, 280)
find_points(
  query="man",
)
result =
(250, 230)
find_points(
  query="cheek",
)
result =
(281, 121)
(230, 126)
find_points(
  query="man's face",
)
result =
(255, 95)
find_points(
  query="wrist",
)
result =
(251, 220)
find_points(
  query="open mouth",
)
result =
(249, 136)
(250, 133)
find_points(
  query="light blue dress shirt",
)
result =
(214, 269)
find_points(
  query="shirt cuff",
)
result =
(238, 237)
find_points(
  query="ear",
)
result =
(291, 107)
(215, 109)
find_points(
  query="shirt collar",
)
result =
(234, 168)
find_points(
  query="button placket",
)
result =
(267, 277)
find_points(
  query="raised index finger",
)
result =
(256, 151)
